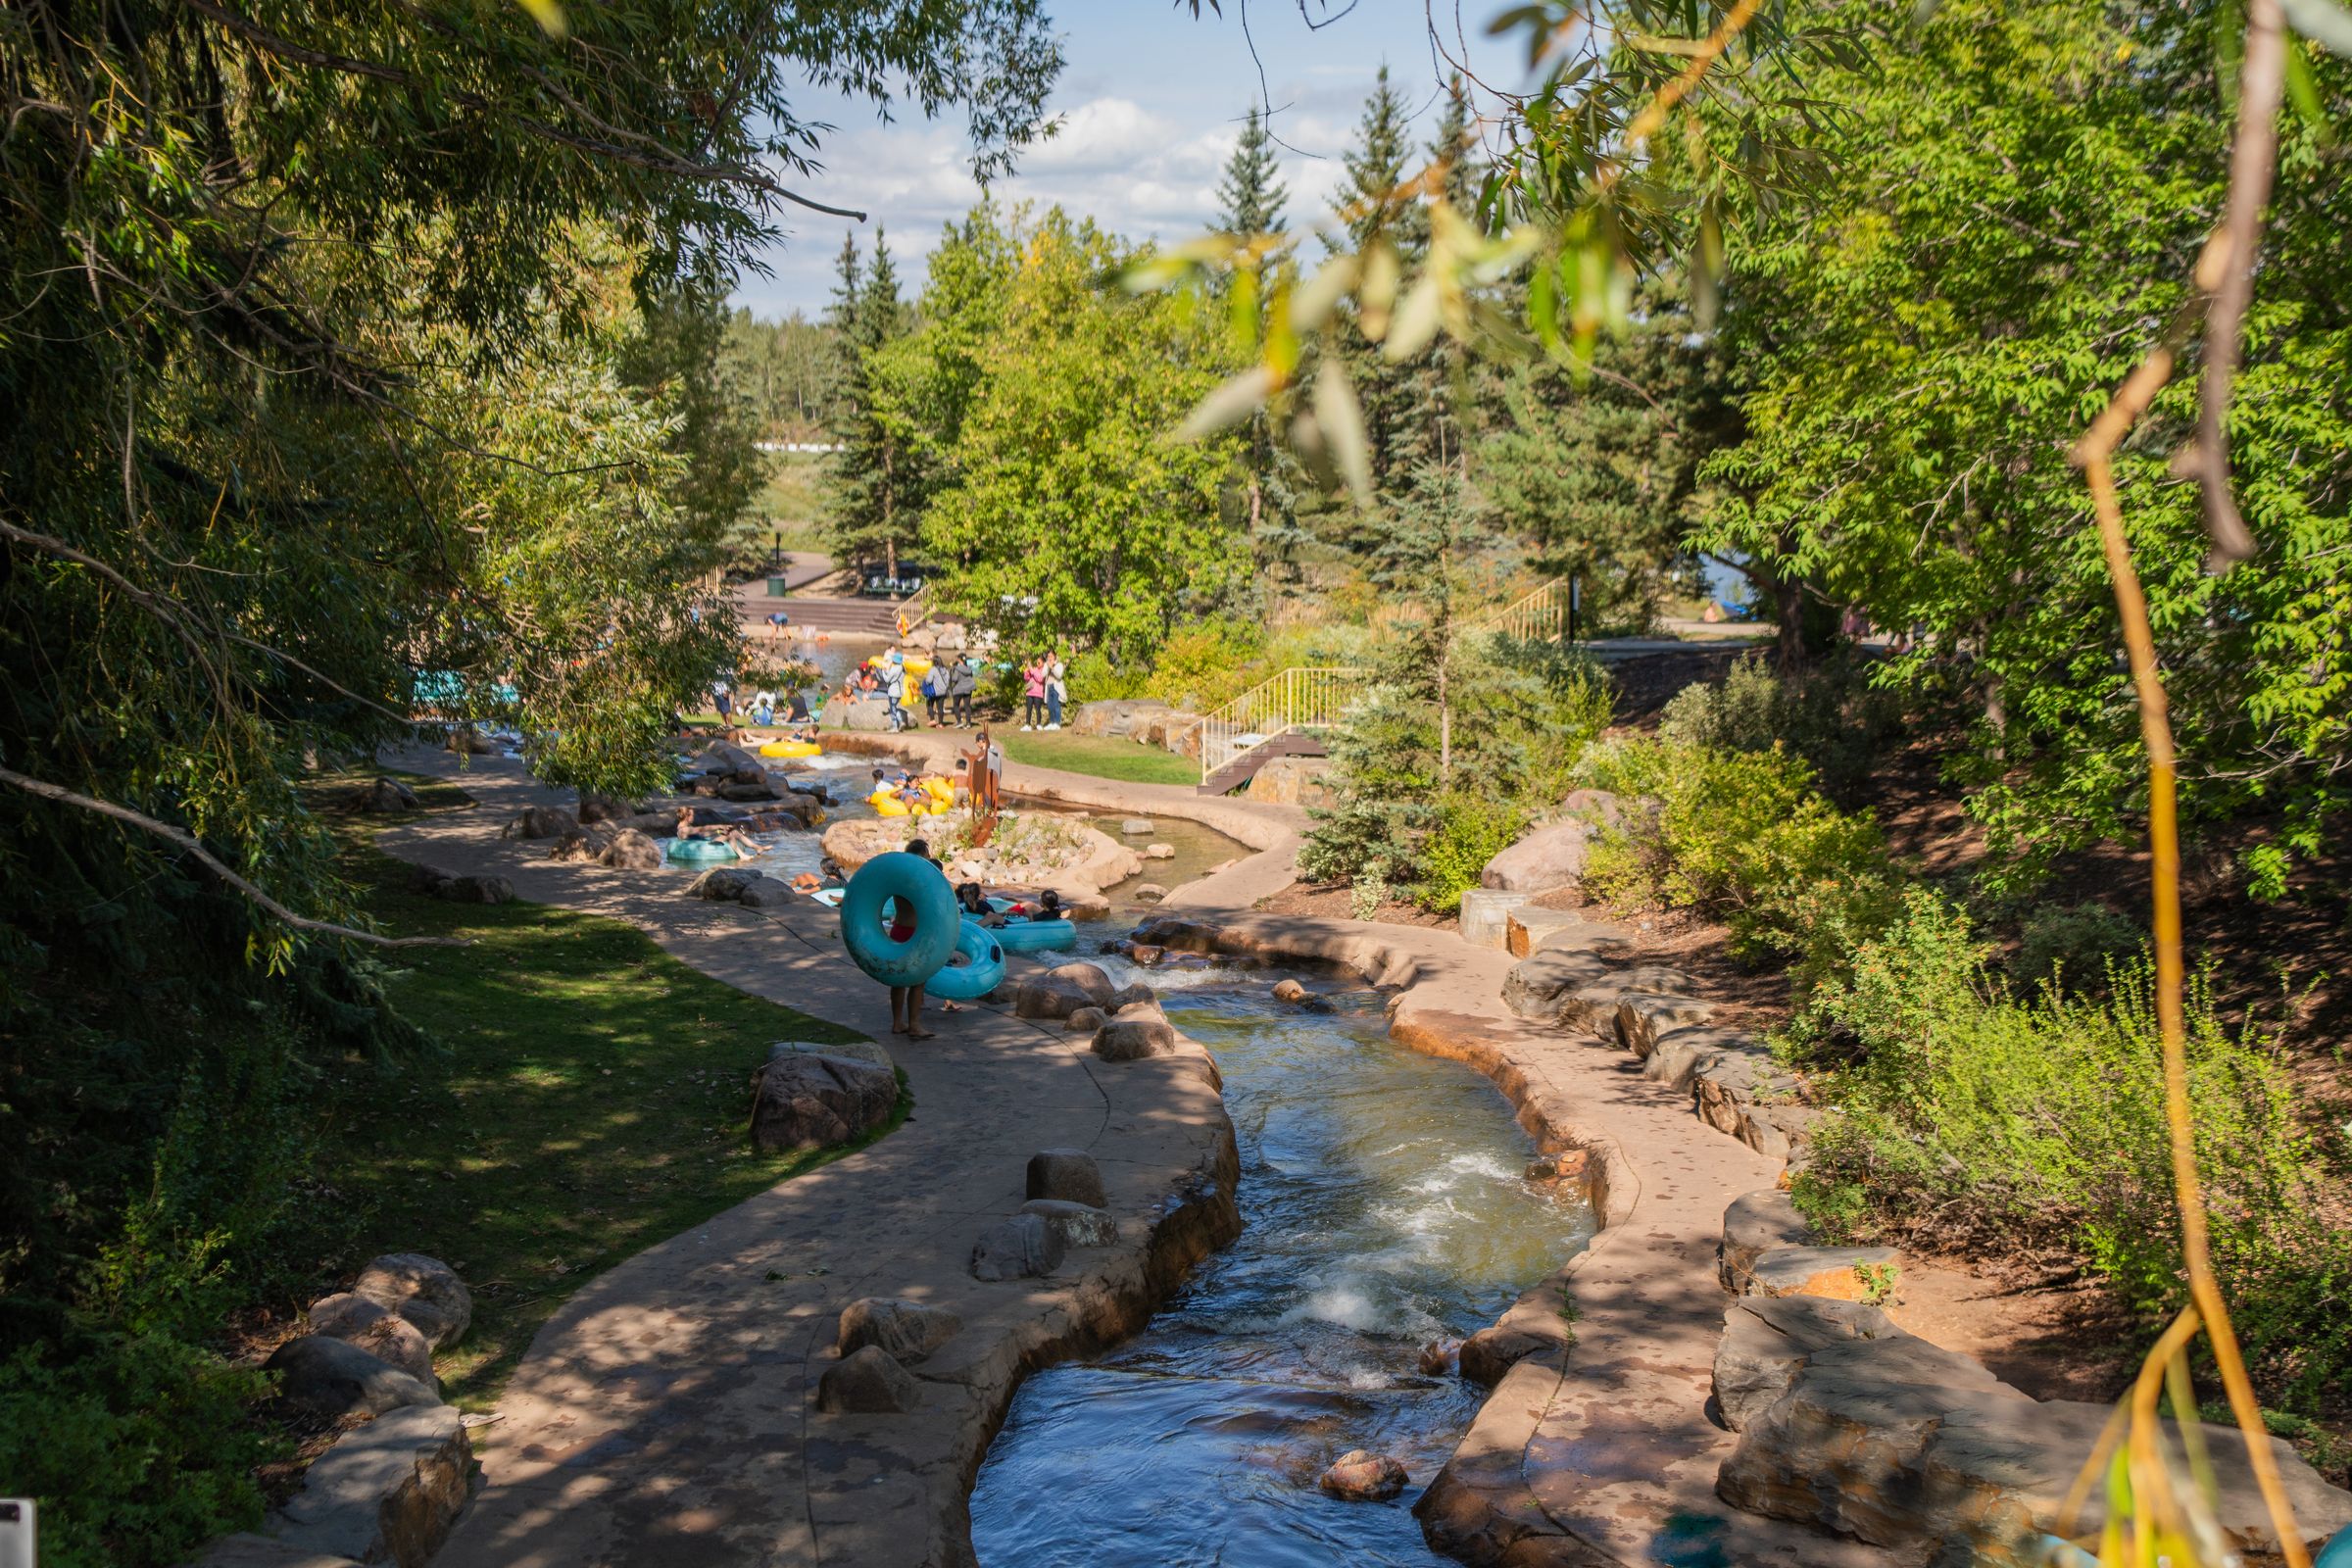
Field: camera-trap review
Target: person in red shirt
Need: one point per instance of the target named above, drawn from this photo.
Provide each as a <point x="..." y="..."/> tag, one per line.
<point x="906" y="1001"/>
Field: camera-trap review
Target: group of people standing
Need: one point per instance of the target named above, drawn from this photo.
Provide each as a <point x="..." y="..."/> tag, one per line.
<point x="948" y="688"/>
<point x="1045" y="687"/>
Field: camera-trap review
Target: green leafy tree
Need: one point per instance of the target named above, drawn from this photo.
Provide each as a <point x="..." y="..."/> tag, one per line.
<point x="2000" y="248"/>
<point x="1072" y="516"/>
<point x="333" y="419"/>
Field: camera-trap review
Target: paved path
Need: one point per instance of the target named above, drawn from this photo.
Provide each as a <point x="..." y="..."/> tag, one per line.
<point x="666" y="1414"/>
<point x="1604" y="1454"/>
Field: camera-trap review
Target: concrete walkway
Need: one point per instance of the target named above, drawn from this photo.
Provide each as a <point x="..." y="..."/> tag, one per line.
<point x="1601" y="1450"/>
<point x="666" y="1415"/>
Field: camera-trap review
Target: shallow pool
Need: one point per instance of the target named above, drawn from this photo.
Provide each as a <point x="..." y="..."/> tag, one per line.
<point x="1384" y="1208"/>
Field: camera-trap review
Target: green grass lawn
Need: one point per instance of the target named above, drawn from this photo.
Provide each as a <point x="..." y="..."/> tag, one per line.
<point x="592" y="1101"/>
<point x="1101" y="756"/>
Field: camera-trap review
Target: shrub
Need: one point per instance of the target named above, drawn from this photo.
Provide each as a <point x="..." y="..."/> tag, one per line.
<point x="138" y="1447"/>
<point x="1094" y="678"/>
<point x="1961" y="1106"/>
<point x="1747" y="837"/>
<point x="1831" y="716"/>
<point x="2073" y="947"/>
<point x="1207" y="664"/>
<point x="1470" y="831"/>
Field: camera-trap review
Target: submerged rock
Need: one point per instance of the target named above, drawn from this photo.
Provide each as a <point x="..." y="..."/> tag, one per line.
<point x="1364" y="1477"/>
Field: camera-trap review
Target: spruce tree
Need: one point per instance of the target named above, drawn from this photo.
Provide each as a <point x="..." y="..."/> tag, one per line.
<point x="1376" y="163"/>
<point x="1251" y="198"/>
<point x="873" y="509"/>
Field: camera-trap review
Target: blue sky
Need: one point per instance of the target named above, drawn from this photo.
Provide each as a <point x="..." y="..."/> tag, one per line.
<point x="1150" y="102"/>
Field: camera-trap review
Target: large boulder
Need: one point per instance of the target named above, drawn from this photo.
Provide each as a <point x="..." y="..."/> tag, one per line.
<point x="906" y="1331"/>
<point x="1552" y="857"/>
<point x="392" y="1339"/>
<point x="1116" y="716"/>
<point x="631" y="850"/>
<point x="1138" y="1031"/>
<point x="1020" y="1248"/>
<point x="1543" y="986"/>
<point x="1062" y="991"/>
<point x="336" y="1378"/>
<point x="1766" y="1340"/>
<point x="768" y="893"/>
<point x="1077" y="1224"/>
<point x="475" y="887"/>
<point x="423" y="1290"/>
<point x="386" y="797"/>
<point x="724" y="884"/>
<point x="588" y="845"/>
<point x="541" y="822"/>
<point x="868" y="1382"/>
<point x="811" y="1101"/>
<point x="1292" y="781"/>
<point x="1068" y="1174"/>
<point x="388" y="1492"/>
<point x="1645" y="1015"/>
<point x="1756" y="1223"/>
<point x="1906" y="1446"/>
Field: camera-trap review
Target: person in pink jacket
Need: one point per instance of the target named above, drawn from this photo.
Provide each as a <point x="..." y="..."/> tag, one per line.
<point x="1033" y="687"/>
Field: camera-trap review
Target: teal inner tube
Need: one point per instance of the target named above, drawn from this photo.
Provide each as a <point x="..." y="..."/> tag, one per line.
<point x="701" y="849"/>
<point x="2337" y="1554"/>
<point x="982" y="971"/>
<point x="1036" y="936"/>
<point x="921" y="890"/>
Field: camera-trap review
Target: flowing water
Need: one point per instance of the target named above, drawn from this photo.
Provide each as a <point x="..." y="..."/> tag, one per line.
<point x="1383" y="1209"/>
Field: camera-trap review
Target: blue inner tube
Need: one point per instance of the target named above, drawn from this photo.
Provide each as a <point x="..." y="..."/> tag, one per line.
<point x="982" y="971"/>
<point x="701" y="849"/>
<point x="921" y="889"/>
<point x="2337" y="1554"/>
<point x="1034" y="936"/>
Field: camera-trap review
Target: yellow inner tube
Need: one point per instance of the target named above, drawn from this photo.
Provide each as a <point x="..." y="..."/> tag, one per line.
<point x="917" y="669"/>
<point x="791" y="749"/>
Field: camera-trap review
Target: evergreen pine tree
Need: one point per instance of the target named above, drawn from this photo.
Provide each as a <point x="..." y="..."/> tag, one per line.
<point x="1375" y="164"/>
<point x="1251" y="198"/>
<point x="873" y="509"/>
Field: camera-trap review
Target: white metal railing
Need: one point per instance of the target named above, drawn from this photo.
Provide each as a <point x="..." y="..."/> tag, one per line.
<point x="1304" y="696"/>
<point x="1540" y="616"/>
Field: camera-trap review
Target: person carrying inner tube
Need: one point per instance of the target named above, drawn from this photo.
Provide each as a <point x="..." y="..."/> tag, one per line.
<point x="906" y="1001"/>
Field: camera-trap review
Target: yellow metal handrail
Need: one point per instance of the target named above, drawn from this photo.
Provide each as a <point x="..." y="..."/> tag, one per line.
<point x="1540" y="616"/>
<point x="1302" y="696"/>
<point x="914" y="610"/>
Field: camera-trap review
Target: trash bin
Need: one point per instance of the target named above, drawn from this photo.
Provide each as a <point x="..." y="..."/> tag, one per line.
<point x="776" y="588"/>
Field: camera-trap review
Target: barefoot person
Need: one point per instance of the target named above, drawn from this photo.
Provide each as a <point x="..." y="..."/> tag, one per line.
<point x="906" y="1001"/>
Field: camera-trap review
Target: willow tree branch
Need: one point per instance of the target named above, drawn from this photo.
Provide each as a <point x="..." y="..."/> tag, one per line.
<point x="188" y="841"/>
<point x="666" y="163"/>
<point x="2227" y="272"/>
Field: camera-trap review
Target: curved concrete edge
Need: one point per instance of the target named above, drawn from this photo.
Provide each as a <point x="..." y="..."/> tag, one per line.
<point x="1596" y="1446"/>
<point x="669" y="1406"/>
<point x="1273" y="833"/>
<point x="862" y="1512"/>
